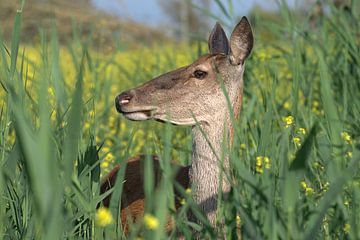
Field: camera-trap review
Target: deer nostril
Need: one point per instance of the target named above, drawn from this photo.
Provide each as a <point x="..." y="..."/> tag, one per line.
<point x="122" y="99"/>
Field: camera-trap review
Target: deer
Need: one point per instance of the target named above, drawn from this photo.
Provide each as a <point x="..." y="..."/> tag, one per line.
<point x="191" y="96"/>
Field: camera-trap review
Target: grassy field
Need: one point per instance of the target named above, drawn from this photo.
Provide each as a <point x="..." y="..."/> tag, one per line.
<point x="296" y="149"/>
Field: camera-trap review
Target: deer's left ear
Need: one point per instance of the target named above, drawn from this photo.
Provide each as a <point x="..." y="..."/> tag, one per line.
<point x="241" y="42"/>
<point x="218" y="42"/>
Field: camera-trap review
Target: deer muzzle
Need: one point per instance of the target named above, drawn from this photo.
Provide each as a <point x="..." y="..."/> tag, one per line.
<point x="125" y="104"/>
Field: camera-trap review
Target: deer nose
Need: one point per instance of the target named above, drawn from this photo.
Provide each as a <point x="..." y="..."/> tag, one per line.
<point x="122" y="99"/>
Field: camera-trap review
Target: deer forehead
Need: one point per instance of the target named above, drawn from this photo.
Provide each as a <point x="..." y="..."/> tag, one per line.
<point x="208" y="62"/>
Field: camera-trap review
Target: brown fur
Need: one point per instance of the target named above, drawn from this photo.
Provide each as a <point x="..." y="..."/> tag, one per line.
<point x="132" y="204"/>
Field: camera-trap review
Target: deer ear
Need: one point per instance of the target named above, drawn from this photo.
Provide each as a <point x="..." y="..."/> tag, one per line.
<point x="218" y="42"/>
<point x="241" y="42"/>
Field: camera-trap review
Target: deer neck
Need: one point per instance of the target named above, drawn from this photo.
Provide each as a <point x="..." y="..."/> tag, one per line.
<point x="209" y="170"/>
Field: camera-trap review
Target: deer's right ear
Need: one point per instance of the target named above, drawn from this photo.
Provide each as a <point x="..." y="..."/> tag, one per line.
<point x="241" y="42"/>
<point x="218" y="42"/>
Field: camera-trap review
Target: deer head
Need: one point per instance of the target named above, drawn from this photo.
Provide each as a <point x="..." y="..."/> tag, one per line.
<point x="194" y="90"/>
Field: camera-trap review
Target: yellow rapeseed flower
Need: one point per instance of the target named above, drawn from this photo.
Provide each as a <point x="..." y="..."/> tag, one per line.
<point x="109" y="143"/>
<point x="53" y="116"/>
<point x="243" y="146"/>
<point x="289" y="120"/>
<point x="315" y="103"/>
<point x="260" y="161"/>
<point x="297" y="141"/>
<point x="287" y="105"/>
<point x="92" y="113"/>
<point x="51" y="91"/>
<point x="346" y="136"/>
<point x="86" y="125"/>
<point x="103" y="217"/>
<point x="122" y="126"/>
<point x="105" y="149"/>
<point x="346" y="228"/>
<point x="109" y="157"/>
<point x="151" y="222"/>
<point x="258" y="164"/>
<point x="63" y="124"/>
<point x="238" y="220"/>
<point x="302" y="131"/>
<point x="262" y="56"/>
<point x="188" y="191"/>
<point x="183" y="201"/>
<point x="112" y="119"/>
<point x="267" y="162"/>
<point x="349" y="154"/>
<point x="303" y="185"/>
<point x="11" y="139"/>
<point x="307" y="189"/>
<point x="104" y="164"/>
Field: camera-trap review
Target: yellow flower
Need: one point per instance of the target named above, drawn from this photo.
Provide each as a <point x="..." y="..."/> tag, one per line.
<point x="306" y="188"/>
<point x="259" y="163"/>
<point x="315" y="103"/>
<point x="109" y="157"/>
<point x="109" y="143"/>
<point x="105" y="149"/>
<point x="303" y="185"/>
<point x="104" y="164"/>
<point x="289" y="120"/>
<point x="262" y="56"/>
<point x="243" y="146"/>
<point x="297" y="141"/>
<point x="347" y="228"/>
<point x="11" y="138"/>
<point x="309" y="191"/>
<point x="258" y="167"/>
<point x="51" y="91"/>
<point x="346" y="136"/>
<point x="63" y="124"/>
<point x="267" y="162"/>
<point x="287" y="105"/>
<point x="151" y="222"/>
<point x="103" y="217"/>
<point x="122" y="126"/>
<point x="238" y="220"/>
<point x="92" y="113"/>
<point x="112" y="119"/>
<point x="302" y="131"/>
<point x="53" y="116"/>
<point x="188" y="191"/>
<point x="86" y="125"/>
<point x="183" y="201"/>
<point x="349" y="154"/>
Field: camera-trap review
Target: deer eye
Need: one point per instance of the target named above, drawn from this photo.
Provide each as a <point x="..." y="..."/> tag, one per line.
<point x="200" y="74"/>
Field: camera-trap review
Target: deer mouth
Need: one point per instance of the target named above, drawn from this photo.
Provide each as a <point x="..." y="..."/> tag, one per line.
<point x="138" y="114"/>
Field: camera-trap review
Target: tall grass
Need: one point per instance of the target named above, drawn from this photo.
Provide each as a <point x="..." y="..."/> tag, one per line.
<point x="295" y="156"/>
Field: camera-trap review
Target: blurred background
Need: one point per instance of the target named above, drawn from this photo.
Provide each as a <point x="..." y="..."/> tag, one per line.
<point x="145" y="20"/>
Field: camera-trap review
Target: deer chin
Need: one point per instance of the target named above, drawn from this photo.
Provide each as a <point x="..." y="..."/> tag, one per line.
<point x="138" y="116"/>
<point x="179" y="122"/>
<point x="138" y="113"/>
